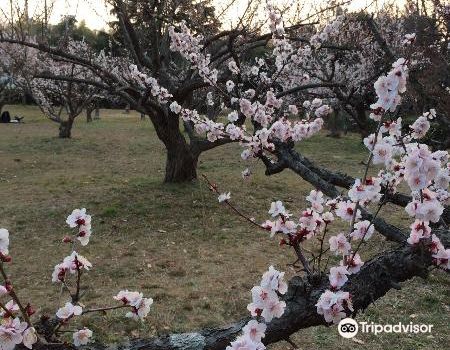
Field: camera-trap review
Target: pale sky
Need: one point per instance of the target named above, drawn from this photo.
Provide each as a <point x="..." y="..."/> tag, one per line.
<point x="96" y="14"/>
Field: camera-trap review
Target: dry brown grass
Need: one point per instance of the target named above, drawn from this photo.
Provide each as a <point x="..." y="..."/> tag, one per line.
<point x="173" y="242"/>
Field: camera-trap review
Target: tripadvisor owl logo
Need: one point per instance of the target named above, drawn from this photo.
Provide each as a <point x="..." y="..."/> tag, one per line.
<point x="348" y="328"/>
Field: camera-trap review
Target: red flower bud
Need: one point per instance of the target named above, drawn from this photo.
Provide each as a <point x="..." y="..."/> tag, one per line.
<point x="30" y="310"/>
<point x="5" y="258"/>
<point x="80" y="222"/>
<point x="67" y="239"/>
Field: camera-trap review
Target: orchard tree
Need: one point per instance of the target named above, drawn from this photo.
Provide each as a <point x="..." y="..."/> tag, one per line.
<point x="63" y="100"/>
<point x="430" y="80"/>
<point x="159" y="72"/>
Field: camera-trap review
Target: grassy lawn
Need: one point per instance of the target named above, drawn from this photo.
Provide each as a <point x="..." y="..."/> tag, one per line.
<point x="174" y="243"/>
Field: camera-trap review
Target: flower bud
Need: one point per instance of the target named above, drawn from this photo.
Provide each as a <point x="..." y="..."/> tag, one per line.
<point x="30" y="310"/>
<point x="5" y="258"/>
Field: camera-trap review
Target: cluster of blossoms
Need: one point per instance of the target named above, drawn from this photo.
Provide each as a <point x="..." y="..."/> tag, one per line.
<point x="75" y="264"/>
<point x="266" y="304"/>
<point x="404" y="159"/>
<point x="425" y="172"/>
<point x="314" y="222"/>
<point x="189" y="47"/>
<point x="261" y="108"/>
<point x="14" y="332"/>
<point x="140" y="306"/>
<point x="329" y="30"/>
<point x="388" y="89"/>
<point x="80" y="220"/>
<point x="16" y="326"/>
<point x="145" y="81"/>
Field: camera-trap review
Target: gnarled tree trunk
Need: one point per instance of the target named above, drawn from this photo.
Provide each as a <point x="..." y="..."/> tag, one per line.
<point x="181" y="160"/>
<point x="65" y="128"/>
<point x="89" y="115"/>
<point x="181" y="163"/>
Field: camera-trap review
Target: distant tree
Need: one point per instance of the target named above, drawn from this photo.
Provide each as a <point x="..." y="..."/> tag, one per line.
<point x="61" y="100"/>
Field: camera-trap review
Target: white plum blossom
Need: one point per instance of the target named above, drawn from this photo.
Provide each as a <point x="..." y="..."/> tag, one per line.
<point x="420" y="127"/>
<point x="346" y="211"/>
<point x="277" y="208"/>
<point x="382" y="152"/>
<point x="141" y="310"/>
<point x="353" y="263"/>
<point x="366" y="193"/>
<point x="323" y="111"/>
<point x="265" y="301"/>
<point x="11" y="333"/>
<point x="223" y="197"/>
<point x="409" y="39"/>
<point x="316" y="199"/>
<point x="70" y="264"/>
<point x="362" y="229"/>
<point x="428" y="210"/>
<point x="419" y="229"/>
<point x="233" y="116"/>
<point x="175" y="107"/>
<point x="230" y="85"/>
<point x="293" y="109"/>
<point x="442" y="258"/>
<point x="254" y="330"/>
<point x="78" y="217"/>
<point x="140" y="306"/>
<point x="12" y="308"/>
<point x="4" y="241"/>
<point x="29" y="337"/>
<point x="339" y="244"/>
<point x="333" y="305"/>
<point x="244" y="342"/>
<point x="69" y="310"/>
<point x="327" y="217"/>
<point x="82" y="337"/>
<point x="246" y="173"/>
<point x="3" y="291"/>
<point x="338" y="276"/>
<point x="232" y="66"/>
<point x="273" y="279"/>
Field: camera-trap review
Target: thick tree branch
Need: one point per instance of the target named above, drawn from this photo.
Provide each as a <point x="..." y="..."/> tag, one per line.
<point x="376" y="277"/>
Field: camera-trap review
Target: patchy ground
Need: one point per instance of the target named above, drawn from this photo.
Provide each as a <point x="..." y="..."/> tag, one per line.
<point x="175" y="243"/>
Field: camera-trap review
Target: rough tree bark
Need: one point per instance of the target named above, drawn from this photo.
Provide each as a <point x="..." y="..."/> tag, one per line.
<point x="65" y="128"/>
<point x="89" y="115"/>
<point x="181" y="163"/>
<point x="181" y="159"/>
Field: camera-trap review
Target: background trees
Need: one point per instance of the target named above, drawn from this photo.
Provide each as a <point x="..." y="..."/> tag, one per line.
<point x="338" y="66"/>
<point x="276" y="84"/>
